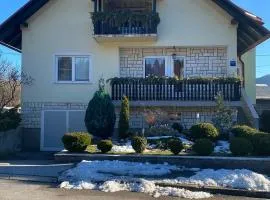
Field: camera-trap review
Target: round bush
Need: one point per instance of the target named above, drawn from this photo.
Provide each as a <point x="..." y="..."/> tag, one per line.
<point x="178" y="127"/>
<point x="241" y="147"/>
<point x="243" y="131"/>
<point x="261" y="144"/>
<point x="76" y="142"/>
<point x="204" y="130"/>
<point x="105" y="146"/>
<point x="175" y="145"/>
<point x="203" y="147"/>
<point x="139" y="144"/>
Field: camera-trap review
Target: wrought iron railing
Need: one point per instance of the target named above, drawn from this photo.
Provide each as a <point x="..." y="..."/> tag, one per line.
<point x="125" y="23"/>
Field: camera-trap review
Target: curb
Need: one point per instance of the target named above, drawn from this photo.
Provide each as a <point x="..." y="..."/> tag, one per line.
<point x="41" y="179"/>
<point x="260" y="165"/>
<point x="219" y="190"/>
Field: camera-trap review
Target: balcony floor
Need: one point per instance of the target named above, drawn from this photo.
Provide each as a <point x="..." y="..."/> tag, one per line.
<point x="126" y="38"/>
<point x="178" y="103"/>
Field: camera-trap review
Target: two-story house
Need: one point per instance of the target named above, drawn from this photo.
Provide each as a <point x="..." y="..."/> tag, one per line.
<point x="68" y="45"/>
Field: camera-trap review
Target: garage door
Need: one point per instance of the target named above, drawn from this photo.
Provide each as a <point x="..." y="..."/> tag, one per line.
<point x="54" y="124"/>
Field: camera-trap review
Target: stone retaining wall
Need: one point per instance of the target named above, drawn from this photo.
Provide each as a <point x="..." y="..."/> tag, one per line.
<point x="31" y="113"/>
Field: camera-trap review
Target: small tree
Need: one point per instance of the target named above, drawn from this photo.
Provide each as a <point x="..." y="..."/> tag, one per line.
<point x="100" y="114"/>
<point x="223" y="115"/>
<point x="123" y="125"/>
<point x="11" y="79"/>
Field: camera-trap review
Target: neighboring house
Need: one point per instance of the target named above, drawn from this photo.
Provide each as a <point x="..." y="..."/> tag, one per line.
<point x="66" y="55"/>
<point x="262" y="98"/>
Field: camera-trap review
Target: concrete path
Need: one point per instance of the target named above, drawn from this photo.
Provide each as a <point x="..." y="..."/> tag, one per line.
<point x="32" y="169"/>
<point x="25" y="191"/>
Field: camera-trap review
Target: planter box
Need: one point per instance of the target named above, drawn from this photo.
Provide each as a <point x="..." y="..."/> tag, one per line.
<point x="10" y="141"/>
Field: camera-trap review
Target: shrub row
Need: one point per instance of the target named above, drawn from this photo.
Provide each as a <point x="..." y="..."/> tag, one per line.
<point x="249" y="141"/>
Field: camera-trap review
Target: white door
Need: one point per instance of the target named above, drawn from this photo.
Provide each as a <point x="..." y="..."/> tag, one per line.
<point x="54" y="124"/>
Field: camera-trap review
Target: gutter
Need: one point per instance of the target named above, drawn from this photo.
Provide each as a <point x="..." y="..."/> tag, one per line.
<point x="11" y="47"/>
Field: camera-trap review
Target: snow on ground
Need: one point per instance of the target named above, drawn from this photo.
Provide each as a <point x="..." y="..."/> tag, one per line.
<point x="222" y="147"/>
<point x="125" y="148"/>
<point x="113" y="176"/>
<point x="239" y="179"/>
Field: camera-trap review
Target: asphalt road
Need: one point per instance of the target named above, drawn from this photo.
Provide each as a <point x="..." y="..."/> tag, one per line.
<point x="10" y="190"/>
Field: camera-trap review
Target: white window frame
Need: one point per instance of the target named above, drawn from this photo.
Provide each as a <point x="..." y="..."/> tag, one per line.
<point x="73" y="56"/>
<point x="169" y="71"/>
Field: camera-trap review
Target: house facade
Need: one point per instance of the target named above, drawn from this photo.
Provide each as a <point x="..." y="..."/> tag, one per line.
<point x="68" y="46"/>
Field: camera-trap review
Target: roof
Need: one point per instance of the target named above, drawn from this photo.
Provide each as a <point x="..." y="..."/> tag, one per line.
<point x="262" y="92"/>
<point x="251" y="31"/>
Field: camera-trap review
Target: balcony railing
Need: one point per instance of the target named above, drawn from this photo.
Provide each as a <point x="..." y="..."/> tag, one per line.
<point x="125" y="23"/>
<point x="175" y="90"/>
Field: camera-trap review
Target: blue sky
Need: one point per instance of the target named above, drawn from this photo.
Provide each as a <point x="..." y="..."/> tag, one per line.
<point x="260" y="8"/>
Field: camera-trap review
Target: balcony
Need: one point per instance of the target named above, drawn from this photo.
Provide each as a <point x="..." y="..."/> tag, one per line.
<point x="125" y="26"/>
<point x="125" y="20"/>
<point x="169" y="91"/>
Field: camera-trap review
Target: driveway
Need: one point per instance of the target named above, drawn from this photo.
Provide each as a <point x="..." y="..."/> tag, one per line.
<point x="10" y="190"/>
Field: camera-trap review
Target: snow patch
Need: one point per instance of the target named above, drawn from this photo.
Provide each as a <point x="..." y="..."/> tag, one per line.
<point x="238" y="179"/>
<point x="126" y="148"/>
<point x="222" y="147"/>
<point x="114" y="176"/>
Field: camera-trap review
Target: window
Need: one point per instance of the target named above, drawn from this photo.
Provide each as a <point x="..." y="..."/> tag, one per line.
<point x="155" y="66"/>
<point x="73" y="68"/>
<point x="164" y="66"/>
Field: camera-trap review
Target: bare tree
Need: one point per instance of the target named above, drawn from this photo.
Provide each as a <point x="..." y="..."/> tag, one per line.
<point x="11" y="79"/>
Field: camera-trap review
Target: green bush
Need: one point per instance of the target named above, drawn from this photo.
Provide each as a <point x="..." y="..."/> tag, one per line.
<point x="160" y="131"/>
<point x="105" y="146"/>
<point x="241" y="146"/>
<point x="177" y="126"/>
<point x="175" y="145"/>
<point x="261" y="144"/>
<point x="204" y="130"/>
<point x="123" y="125"/>
<point x="9" y="120"/>
<point x="203" y="147"/>
<point x="243" y="131"/>
<point x="265" y="121"/>
<point x="76" y="142"/>
<point x="139" y="144"/>
<point x="161" y="143"/>
<point x="100" y="115"/>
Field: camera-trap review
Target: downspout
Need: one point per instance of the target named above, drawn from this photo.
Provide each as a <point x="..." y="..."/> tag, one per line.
<point x="243" y="70"/>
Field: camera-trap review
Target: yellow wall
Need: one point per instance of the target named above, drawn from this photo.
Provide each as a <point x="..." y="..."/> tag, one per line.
<point x="249" y="59"/>
<point x="64" y="26"/>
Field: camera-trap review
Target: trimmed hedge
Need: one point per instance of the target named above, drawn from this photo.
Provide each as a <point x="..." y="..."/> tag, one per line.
<point x="175" y="145"/>
<point x="76" y="142"/>
<point x="203" y="147"/>
<point x="241" y="147"/>
<point x="9" y="119"/>
<point x="139" y="144"/>
<point x="261" y="144"/>
<point x="123" y="124"/>
<point x="105" y="146"/>
<point x="204" y="130"/>
<point x="243" y="131"/>
<point x="100" y="115"/>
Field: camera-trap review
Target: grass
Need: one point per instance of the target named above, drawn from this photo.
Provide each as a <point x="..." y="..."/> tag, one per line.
<point x="92" y="149"/>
